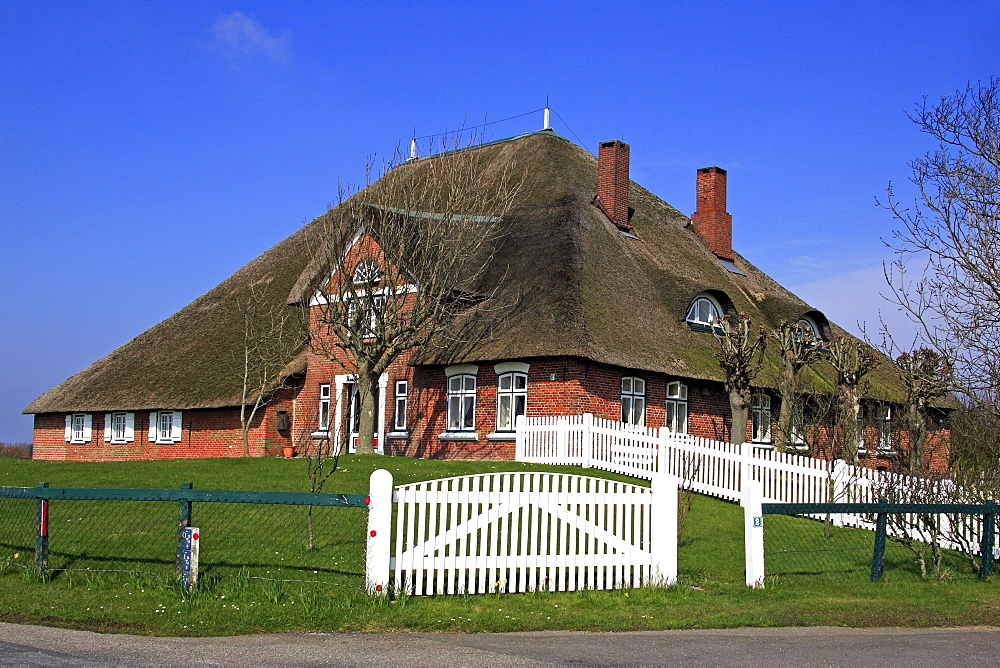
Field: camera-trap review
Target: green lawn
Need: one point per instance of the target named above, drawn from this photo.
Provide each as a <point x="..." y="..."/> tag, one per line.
<point x="710" y="593"/>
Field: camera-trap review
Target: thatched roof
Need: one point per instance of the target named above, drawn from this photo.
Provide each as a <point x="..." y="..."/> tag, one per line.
<point x="572" y="283"/>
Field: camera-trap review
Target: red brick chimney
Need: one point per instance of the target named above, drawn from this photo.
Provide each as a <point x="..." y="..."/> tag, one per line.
<point x="612" y="182"/>
<point x="711" y="222"/>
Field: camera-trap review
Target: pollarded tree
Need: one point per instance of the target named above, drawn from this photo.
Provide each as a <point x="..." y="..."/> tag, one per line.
<point x="740" y="353"/>
<point x="947" y="276"/>
<point x="798" y="347"/>
<point x="926" y="376"/>
<point x="852" y="360"/>
<point x="402" y="259"/>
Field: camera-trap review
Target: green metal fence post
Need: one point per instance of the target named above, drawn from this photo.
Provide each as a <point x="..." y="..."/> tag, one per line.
<point x="183" y="522"/>
<point x="878" y="555"/>
<point x="986" y="546"/>
<point x="42" y="536"/>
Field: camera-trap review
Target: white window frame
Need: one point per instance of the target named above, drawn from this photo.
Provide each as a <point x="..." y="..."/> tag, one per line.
<point x="119" y="427"/>
<point x="462" y="390"/>
<point x="323" y="417"/>
<point x="811" y="325"/>
<point x="509" y="395"/>
<point x="705" y="311"/>
<point x="883" y="425"/>
<point x="402" y="391"/>
<point x="367" y="272"/>
<point x="174" y="431"/>
<point x="676" y="417"/>
<point x="633" y="400"/>
<point x="78" y="428"/>
<point x="760" y="417"/>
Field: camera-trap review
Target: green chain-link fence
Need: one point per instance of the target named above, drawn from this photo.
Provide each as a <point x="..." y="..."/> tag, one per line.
<point x="270" y="535"/>
<point x="797" y="547"/>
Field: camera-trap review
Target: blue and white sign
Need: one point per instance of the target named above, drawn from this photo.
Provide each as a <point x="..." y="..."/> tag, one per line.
<point x="189" y="558"/>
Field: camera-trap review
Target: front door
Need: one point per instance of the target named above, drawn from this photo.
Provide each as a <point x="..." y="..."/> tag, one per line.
<point x="354" y="416"/>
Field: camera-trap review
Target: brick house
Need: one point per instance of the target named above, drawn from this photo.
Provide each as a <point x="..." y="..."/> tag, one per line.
<point x="617" y="291"/>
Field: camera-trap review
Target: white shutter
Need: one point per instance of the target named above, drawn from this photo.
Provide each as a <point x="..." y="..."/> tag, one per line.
<point x="68" y="434"/>
<point x="107" y="427"/>
<point x="152" y="426"/>
<point x="129" y="427"/>
<point x="88" y="424"/>
<point x="176" y="427"/>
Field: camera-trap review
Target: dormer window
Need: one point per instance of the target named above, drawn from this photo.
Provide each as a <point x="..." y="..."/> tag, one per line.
<point x="367" y="272"/>
<point x="811" y="326"/>
<point x="705" y="311"/>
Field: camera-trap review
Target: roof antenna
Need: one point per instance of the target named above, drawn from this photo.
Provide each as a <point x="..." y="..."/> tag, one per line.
<point x="546" y="125"/>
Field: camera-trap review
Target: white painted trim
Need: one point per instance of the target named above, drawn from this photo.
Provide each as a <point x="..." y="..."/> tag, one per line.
<point x="459" y="436"/>
<point x="502" y="436"/>
<point x="456" y="369"/>
<point x="508" y="367"/>
<point x="321" y="298"/>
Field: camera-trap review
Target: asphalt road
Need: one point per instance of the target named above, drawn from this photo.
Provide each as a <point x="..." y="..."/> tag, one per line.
<point x="817" y="646"/>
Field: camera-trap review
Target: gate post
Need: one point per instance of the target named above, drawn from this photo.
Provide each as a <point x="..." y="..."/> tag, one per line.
<point x="183" y="522"/>
<point x="753" y="532"/>
<point x="878" y="554"/>
<point x="42" y="535"/>
<point x="377" y="557"/>
<point x="986" y="545"/>
<point x="663" y="541"/>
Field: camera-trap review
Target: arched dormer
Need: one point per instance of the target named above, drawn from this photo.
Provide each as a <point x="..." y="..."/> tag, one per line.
<point x="817" y="322"/>
<point x="708" y="309"/>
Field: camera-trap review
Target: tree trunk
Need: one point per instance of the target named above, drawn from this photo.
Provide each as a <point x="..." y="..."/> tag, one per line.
<point x="739" y="408"/>
<point x="850" y="406"/>
<point x="917" y="434"/>
<point x="245" y="430"/>
<point x="367" y="395"/>
<point x="784" y="435"/>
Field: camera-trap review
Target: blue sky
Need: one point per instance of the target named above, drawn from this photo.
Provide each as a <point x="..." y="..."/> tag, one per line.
<point x="150" y="149"/>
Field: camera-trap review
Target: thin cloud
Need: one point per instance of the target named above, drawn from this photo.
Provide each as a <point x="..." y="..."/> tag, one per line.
<point x="241" y="38"/>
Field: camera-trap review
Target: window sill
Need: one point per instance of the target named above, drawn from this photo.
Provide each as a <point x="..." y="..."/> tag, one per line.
<point x="398" y="434"/>
<point x="317" y="435"/>
<point x="761" y="445"/>
<point x="459" y="436"/>
<point x="502" y="436"/>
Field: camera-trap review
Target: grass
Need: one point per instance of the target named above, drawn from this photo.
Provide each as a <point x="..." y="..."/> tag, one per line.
<point x="710" y="593"/>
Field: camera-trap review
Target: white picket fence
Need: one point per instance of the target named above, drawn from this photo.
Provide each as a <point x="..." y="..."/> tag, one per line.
<point x="710" y="467"/>
<point x="520" y="532"/>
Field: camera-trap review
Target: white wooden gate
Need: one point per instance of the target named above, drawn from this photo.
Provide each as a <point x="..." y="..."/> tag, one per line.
<point x="519" y="532"/>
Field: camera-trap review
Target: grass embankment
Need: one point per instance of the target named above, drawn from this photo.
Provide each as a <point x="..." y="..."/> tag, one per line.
<point x="710" y="594"/>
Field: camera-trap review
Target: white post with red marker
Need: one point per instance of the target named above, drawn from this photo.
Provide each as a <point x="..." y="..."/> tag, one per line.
<point x="189" y="560"/>
<point x="377" y="557"/>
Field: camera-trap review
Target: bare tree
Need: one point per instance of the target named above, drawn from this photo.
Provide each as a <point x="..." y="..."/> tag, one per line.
<point x="271" y="334"/>
<point x="740" y="353"/>
<point x="798" y="347"/>
<point x="926" y="376"/>
<point x="852" y="360"/>
<point x="947" y="275"/>
<point x="402" y="259"/>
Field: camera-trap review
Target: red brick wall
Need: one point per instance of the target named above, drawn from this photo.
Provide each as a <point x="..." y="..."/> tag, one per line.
<point x="613" y="181"/>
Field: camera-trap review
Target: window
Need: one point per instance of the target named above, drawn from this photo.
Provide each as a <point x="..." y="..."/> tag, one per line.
<point x="633" y="400"/>
<point x="512" y="399"/>
<point x="368" y="310"/>
<point x="324" y="407"/>
<point x="861" y="429"/>
<point x="811" y="326"/>
<point x="883" y="424"/>
<point x="367" y="272"/>
<point x="119" y="427"/>
<point x="704" y="311"/>
<point x="165" y="426"/>
<point x="761" y="418"/>
<point x="461" y="402"/>
<point x="78" y="427"/>
<point x="399" y="423"/>
<point x="676" y="419"/>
